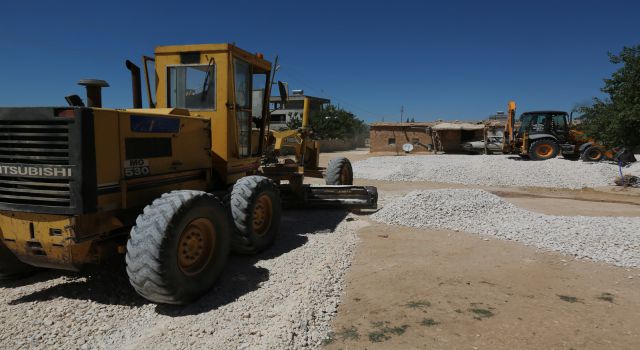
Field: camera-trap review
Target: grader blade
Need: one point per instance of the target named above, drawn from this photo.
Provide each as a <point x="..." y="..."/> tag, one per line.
<point x="348" y="197"/>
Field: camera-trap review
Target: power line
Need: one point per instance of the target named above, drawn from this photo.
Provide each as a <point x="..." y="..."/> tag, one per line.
<point x="323" y="92"/>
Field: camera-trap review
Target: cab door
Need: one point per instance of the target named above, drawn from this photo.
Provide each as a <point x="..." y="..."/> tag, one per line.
<point x="242" y="105"/>
<point x="559" y="127"/>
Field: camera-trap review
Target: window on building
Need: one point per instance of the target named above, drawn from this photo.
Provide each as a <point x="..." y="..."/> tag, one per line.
<point x="278" y="118"/>
<point x="470" y="135"/>
<point x="392" y="141"/>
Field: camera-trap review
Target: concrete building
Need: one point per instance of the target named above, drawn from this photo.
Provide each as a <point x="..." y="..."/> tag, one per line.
<point x="293" y="108"/>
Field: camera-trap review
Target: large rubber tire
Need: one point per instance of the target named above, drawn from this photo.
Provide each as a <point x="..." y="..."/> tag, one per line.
<point x="11" y="267"/>
<point x="543" y="149"/>
<point x="592" y="154"/>
<point x="256" y="210"/>
<point x="339" y="172"/>
<point x="178" y="247"/>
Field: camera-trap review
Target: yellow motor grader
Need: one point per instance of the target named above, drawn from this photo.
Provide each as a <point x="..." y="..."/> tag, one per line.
<point x="173" y="187"/>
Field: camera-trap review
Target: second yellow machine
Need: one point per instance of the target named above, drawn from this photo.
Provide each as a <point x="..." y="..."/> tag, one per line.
<point x="174" y="187"/>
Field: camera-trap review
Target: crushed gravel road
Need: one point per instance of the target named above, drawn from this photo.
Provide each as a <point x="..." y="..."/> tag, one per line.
<point x="283" y="298"/>
<point x="490" y="170"/>
<point x="613" y="240"/>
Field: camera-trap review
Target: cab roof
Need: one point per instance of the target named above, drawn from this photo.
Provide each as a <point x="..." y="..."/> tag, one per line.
<point x="546" y="112"/>
<point x="254" y="58"/>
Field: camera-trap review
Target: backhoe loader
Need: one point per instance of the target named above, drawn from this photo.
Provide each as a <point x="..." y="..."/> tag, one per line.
<point x="173" y="187"/>
<point x="544" y="135"/>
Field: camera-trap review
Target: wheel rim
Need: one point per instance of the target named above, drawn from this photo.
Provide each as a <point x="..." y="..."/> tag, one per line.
<point x="594" y="154"/>
<point x="196" y="246"/>
<point x="544" y="150"/>
<point x="344" y="175"/>
<point x="262" y="213"/>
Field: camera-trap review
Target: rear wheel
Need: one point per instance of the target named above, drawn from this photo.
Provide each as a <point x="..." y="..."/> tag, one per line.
<point x="543" y="149"/>
<point x="256" y="210"/>
<point x="178" y="247"/>
<point x="339" y="172"/>
<point x="592" y="154"/>
<point x="11" y="267"/>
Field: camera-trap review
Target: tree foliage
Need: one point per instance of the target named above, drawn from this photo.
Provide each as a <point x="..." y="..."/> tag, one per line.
<point x="616" y="119"/>
<point x="333" y="122"/>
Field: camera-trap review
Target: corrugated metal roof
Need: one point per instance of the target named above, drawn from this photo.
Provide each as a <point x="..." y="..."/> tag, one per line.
<point x="403" y="124"/>
<point x="458" y="126"/>
<point x="443" y="125"/>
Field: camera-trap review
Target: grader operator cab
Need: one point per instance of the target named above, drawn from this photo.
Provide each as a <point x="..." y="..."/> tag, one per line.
<point x="174" y="187"/>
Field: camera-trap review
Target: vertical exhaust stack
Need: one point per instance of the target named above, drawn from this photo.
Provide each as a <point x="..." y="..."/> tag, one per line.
<point x="135" y="84"/>
<point x="94" y="91"/>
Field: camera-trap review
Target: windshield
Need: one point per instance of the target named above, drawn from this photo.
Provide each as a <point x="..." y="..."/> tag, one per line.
<point x="538" y="122"/>
<point x="192" y="86"/>
<point x="525" y="121"/>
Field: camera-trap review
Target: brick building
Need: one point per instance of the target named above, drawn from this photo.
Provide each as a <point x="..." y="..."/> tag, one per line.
<point x="389" y="137"/>
<point x="424" y="136"/>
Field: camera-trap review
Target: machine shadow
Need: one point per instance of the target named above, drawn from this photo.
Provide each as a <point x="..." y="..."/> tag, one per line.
<point x="241" y="276"/>
<point x="40" y="276"/>
<point x="109" y="284"/>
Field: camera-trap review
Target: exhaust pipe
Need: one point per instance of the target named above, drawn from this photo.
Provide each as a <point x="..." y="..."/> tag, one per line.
<point x="135" y="84"/>
<point x="94" y="91"/>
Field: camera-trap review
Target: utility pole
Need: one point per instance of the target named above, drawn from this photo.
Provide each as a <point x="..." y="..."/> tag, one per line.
<point x="397" y="139"/>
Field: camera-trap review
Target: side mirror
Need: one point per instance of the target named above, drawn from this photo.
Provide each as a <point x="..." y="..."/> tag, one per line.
<point x="284" y="96"/>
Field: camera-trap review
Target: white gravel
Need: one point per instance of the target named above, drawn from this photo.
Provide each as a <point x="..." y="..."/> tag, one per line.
<point x="490" y="170"/>
<point x="283" y="298"/>
<point x="614" y="240"/>
<point x="633" y="169"/>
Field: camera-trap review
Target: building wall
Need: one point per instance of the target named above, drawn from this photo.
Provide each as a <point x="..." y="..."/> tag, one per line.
<point x="336" y="145"/>
<point x="452" y="139"/>
<point x="391" y="139"/>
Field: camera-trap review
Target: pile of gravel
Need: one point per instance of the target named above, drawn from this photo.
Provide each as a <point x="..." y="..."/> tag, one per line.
<point x="283" y="298"/>
<point x="633" y="169"/>
<point x="489" y="170"/>
<point x="610" y="239"/>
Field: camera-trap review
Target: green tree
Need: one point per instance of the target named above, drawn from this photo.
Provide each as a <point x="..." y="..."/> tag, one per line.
<point x="615" y="120"/>
<point x="294" y="123"/>
<point x="333" y="122"/>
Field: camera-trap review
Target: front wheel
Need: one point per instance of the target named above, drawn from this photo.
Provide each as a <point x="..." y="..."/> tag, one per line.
<point x="178" y="247"/>
<point x="592" y="154"/>
<point x="256" y="211"/>
<point x="339" y="172"/>
<point x="543" y="149"/>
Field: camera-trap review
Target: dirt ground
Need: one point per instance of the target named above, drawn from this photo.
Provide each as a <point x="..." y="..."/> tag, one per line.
<point x="418" y="289"/>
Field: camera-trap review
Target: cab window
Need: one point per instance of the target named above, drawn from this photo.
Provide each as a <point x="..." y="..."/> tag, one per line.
<point x="192" y="86"/>
<point x="559" y="122"/>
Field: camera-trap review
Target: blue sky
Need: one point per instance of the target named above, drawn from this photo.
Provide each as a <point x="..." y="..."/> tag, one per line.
<point x="438" y="59"/>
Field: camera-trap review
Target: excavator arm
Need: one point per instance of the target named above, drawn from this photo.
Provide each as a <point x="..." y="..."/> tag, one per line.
<point x="508" y="141"/>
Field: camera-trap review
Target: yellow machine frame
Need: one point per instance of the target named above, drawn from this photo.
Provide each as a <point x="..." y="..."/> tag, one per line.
<point x="134" y="158"/>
